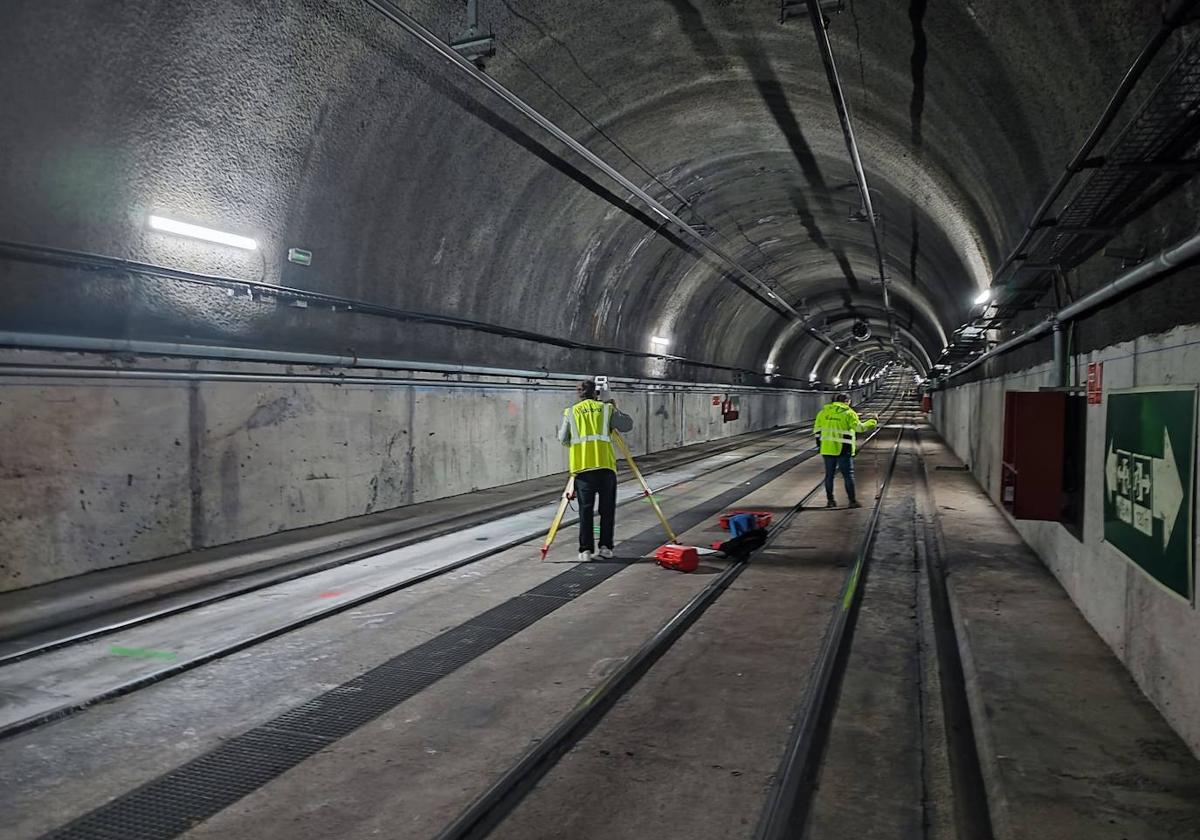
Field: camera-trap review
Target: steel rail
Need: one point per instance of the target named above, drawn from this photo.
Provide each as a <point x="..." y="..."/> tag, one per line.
<point x="860" y="175"/>
<point x="760" y="289"/>
<point x="787" y="804"/>
<point x="499" y="800"/>
<point x="355" y="551"/>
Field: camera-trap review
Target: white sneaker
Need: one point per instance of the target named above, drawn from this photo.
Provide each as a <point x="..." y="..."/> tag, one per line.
<point x="606" y="554"/>
<point x="585" y="557"/>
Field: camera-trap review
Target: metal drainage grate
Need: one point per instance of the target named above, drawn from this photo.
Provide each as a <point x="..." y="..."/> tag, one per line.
<point x="175" y="802"/>
<point x="519" y="613"/>
<point x="949" y="468"/>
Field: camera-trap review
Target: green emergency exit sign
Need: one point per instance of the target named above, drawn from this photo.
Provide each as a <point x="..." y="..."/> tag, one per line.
<point x="1149" y="455"/>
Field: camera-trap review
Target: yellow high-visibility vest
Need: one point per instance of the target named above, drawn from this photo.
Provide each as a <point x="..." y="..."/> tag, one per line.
<point x="838" y="425"/>
<point x="591" y="440"/>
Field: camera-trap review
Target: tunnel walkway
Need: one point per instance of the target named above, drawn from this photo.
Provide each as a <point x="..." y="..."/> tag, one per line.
<point x="392" y="717"/>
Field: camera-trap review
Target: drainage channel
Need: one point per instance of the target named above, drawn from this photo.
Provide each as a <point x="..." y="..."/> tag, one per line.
<point x="972" y="816"/>
<point x="496" y="803"/>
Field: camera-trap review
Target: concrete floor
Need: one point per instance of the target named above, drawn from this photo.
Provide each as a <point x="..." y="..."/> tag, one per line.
<point x="1069" y="748"/>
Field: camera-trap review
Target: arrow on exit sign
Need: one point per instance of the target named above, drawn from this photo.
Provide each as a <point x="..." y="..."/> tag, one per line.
<point x="1161" y="483"/>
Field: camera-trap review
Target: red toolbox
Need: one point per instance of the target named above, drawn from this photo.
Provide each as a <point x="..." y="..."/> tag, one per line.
<point x="682" y="558"/>
<point x="762" y="517"/>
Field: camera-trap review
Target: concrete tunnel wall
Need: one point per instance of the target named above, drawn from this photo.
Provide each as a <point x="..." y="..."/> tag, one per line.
<point x="1154" y="633"/>
<point x="110" y="472"/>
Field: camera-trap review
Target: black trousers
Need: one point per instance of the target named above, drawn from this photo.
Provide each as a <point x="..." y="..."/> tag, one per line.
<point x="588" y="486"/>
<point x="845" y="463"/>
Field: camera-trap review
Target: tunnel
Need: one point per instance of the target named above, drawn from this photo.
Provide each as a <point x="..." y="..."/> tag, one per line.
<point x="337" y="334"/>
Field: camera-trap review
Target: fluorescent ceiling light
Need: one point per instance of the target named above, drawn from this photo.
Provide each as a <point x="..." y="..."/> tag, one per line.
<point x="207" y="234"/>
<point x="657" y="339"/>
<point x="983" y="297"/>
<point x="812" y="377"/>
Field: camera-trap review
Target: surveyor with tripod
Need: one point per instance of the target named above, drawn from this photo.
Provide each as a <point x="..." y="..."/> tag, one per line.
<point x="587" y="428"/>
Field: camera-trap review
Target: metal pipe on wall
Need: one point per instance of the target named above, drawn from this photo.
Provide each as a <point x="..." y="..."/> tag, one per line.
<point x="88" y="344"/>
<point x="1060" y="354"/>
<point x="98" y="263"/>
<point x="1146" y="272"/>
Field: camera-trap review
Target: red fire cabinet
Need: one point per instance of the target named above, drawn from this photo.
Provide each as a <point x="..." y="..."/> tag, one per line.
<point x="1031" y="482"/>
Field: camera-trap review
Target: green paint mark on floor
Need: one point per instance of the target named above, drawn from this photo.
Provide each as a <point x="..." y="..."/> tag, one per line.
<point x="141" y="653"/>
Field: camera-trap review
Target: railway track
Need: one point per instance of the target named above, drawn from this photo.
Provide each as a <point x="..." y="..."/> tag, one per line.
<point x="495" y="804"/>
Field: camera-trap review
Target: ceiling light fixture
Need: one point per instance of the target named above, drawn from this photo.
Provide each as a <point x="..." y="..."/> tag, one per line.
<point x="197" y="232"/>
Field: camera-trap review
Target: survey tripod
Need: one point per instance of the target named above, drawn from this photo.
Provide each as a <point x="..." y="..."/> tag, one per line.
<point x="569" y="493"/>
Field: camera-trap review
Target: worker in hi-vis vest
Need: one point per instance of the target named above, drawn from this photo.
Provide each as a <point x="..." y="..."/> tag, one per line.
<point x="586" y="428"/>
<point x="837" y="427"/>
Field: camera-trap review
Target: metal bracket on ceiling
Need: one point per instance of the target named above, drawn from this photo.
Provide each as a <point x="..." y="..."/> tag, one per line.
<point x="1128" y="256"/>
<point x="860" y="215"/>
<point x="799" y="8"/>
<point x="472" y="44"/>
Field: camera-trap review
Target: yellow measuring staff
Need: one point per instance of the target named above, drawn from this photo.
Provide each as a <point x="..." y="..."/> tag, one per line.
<point x="562" y="508"/>
<point x="645" y="487"/>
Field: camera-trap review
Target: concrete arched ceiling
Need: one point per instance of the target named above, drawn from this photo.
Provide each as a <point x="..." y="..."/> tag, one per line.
<point x="318" y="124"/>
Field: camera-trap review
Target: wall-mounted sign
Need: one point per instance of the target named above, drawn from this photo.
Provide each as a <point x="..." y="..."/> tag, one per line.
<point x="1149" y="483"/>
<point x="729" y="409"/>
<point x="1095" y="383"/>
<point x="299" y="256"/>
